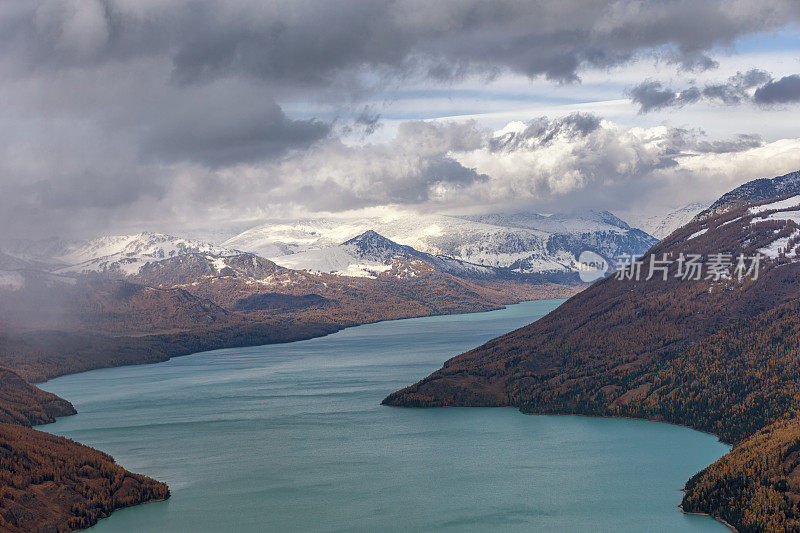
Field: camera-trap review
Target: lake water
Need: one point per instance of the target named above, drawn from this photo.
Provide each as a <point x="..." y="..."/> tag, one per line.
<point x="293" y="437"/>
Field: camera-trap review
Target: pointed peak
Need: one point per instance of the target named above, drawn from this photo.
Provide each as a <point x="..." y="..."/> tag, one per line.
<point x="373" y="244"/>
<point x="371" y="236"/>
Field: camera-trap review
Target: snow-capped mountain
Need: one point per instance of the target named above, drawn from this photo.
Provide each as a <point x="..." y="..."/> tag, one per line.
<point x="369" y="254"/>
<point x="659" y="226"/>
<point x="754" y="191"/>
<point x="527" y="243"/>
<point x="13" y="262"/>
<point x="127" y="254"/>
<point x="192" y="268"/>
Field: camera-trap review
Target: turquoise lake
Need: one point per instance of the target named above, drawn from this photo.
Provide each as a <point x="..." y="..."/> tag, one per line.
<point x="292" y="437"/>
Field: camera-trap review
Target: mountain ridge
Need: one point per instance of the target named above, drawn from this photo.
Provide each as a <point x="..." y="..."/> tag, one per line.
<point x="371" y="254"/>
<point x="547" y="243"/>
<point x="754" y="191"/>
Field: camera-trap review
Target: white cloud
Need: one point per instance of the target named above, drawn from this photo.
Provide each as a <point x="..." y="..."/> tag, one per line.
<point x="546" y="164"/>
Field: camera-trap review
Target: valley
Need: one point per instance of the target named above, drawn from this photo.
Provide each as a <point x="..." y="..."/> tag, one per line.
<point x="145" y="298"/>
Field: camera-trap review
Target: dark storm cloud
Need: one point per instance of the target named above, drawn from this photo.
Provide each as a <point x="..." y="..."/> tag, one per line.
<point x="735" y="89"/>
<point x="739" y="143"/>
<point x="120" y="107"/>
<point x="785" y="90"/>
<point x="310" y="43"/>
<point x="651" y="95"/>
<point x="444" y="170"/>
<point x="219" y="135"/>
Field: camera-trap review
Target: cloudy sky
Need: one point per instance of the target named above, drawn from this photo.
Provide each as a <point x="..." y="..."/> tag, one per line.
<point x="180" y="116"/>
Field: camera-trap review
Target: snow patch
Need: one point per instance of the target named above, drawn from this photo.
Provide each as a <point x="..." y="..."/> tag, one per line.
<point x="219" y="263"/>
<point x="333" y="260"/>
<point x="782" y="216"/>
<point x="697" y="234"/>
<point x="778" y="247"/>
<point x="788" y="203"/>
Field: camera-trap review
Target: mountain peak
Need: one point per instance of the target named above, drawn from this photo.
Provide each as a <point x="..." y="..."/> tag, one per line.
<point x="368" y="236"/>
<point x="374" y="245"/>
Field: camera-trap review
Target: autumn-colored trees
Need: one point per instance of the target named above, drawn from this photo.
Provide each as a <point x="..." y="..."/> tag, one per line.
<point x="49" y="483"/>
<point x="52" y="483"/>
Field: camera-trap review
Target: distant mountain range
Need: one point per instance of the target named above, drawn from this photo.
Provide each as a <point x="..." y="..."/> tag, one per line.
<point x="719" y="353"/>
<point x="524" y="243"/>
<point x="487" y="246"/>
<point x="371" y="254"/>
<point x="126" y="254"/>
<point x="624" y="347"/>
<point x="153" y="285"/>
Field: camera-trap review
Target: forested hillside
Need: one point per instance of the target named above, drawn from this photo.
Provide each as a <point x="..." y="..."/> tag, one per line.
<point x="49" y="483"/>
<point x="717" y="353"/>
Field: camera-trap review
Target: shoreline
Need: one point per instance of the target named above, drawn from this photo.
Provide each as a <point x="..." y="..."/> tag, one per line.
<point x="42" y="427"/>
<point x="225" y="346"/>
<point x="630" y="418"/>
<point x="717" y="518"/>
<point x="507" y="406"/>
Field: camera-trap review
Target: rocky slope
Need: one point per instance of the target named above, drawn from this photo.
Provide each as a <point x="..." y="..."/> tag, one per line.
<point x="42" y="301"/>
<point x="49" y="483"/>
<point x="23" y="404"/>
